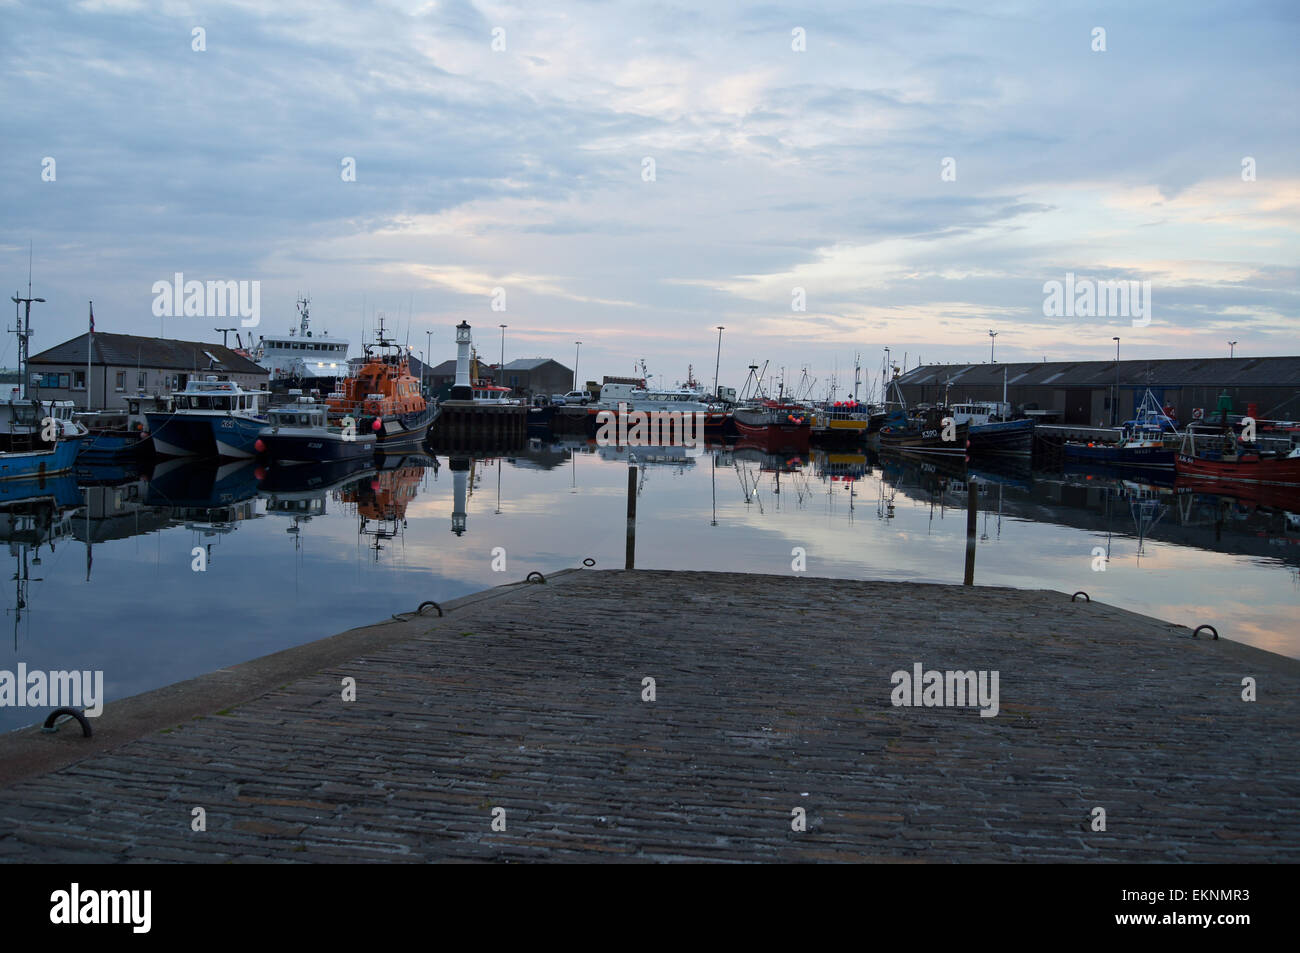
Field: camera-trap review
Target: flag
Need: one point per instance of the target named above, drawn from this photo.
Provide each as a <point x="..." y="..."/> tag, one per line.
<point x="92" y="317"/>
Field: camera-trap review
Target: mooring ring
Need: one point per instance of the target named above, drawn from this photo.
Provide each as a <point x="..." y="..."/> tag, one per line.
<point x="1086" y="597"/>
<point x="50" y="725"/>
<point x="529" y="577"/>
<point x="589" y="562"/>
<point x="1210" y="627"/>
<point x="420" y="610"/>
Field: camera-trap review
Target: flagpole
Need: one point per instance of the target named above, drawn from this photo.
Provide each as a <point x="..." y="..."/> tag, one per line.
<point x="90" y="338"/>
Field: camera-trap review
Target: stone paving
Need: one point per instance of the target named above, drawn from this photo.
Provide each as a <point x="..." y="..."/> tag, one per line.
<point x="771" y="693"/>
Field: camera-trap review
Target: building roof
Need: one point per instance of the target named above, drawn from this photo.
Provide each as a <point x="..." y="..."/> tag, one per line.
<point x="1185" y="372"/>
<point x="129" y="350"/>
<point x="533" y="363"/>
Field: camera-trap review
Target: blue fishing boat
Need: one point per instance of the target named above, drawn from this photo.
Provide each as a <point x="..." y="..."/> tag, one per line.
<point x="38" y="438"/>
<point x="1142" y="443"/>
<point x="210" y="418"/>
<point x="119" y="435"/>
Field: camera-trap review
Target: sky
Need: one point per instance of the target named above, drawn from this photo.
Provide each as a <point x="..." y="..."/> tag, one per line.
<point x="632" y="175"/>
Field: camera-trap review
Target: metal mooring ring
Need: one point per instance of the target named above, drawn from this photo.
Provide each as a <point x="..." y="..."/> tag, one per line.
<point x="529" y="577"/>
<point x="50" y="725"/>
<point x="420" y="610"/>
<point x="1210" y="627"/>
<point x="589" y="562"/>
<point x="1086" y="597"/>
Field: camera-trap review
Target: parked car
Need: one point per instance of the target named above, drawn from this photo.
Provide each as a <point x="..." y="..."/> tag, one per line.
<point x="572" y="397"/>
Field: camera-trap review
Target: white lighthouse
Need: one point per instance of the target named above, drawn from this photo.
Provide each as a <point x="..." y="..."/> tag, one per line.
<point x="463" y="388"/>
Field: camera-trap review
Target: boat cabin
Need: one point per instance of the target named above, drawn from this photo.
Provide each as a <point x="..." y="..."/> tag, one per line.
<point x="221" y="397"/>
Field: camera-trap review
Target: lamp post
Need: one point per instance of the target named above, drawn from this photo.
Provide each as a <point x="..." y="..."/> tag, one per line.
<point x="1232" y="348"/>
<point x="718" y="363"/>
<point x="1114" y="404"/>
<point x="576" y="351"/>
<point x="992" y="338"/>
<point x="428" y="343"/>
<point x="502" y="366"/>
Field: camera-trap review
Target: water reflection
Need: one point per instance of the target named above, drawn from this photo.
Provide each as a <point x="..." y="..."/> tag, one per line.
<point x="367" y="541"/>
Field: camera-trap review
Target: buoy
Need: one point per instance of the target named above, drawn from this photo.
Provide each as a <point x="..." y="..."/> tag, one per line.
<point x="259" y="474"/>
<point x="259" y="446"/>
<point x="376" y="425"/>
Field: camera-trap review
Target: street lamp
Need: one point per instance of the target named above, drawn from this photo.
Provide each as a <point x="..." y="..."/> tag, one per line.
<point x="718" y="362"/>
<point x="1232" y="348"/>
<point x="992" y="338"/>
<point x="502" y="365"/>
<point x="1114" y="404"/>
<point x="576" y="351"/>
<point x="428" y="341"/>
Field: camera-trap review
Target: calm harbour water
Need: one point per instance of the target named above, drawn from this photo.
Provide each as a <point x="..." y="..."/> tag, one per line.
<point x="117" y="590"/>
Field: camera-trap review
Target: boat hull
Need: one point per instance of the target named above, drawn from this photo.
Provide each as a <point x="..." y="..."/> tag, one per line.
<point x="1010" y="437"/>
<point x="38" y="464"/>
<point x="304" y="448"/>
<point x="774" y="428"/>
<point x="176" y="435"/>
<point x="1114" y="456"/>
<point x="928" y="439"/>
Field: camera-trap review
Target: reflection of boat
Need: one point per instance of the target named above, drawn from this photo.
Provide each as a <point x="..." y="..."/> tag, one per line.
<point x="210" y="418"/>
<point x="381" y="497"/>
<point x="841" y="467"/>
<point x="384" y="398"/>
<point x="198" y="485"/>
<point x="312" y="477"/>
<point x="1284" y="498"/>
<point x="40" y="516"/>
<point x="299" y="433"/>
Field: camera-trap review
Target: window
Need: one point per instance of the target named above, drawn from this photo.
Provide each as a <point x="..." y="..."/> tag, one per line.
<point x="142" y="380"/>
<point x="120" y="384"/>
<point x="48" y="380"/>
<point x="65" y="381"/>
<point x="79" y="380"/>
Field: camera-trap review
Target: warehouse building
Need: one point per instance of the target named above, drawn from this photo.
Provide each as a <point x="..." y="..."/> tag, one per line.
<point x="1085" y="392"/>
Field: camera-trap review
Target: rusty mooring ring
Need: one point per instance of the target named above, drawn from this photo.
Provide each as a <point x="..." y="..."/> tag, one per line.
<point x="540" y="577"/>
<point x="76" y="713"/>
<point x="420" y="610"/>
<point x="1210" y="627"/>
<point x="1086" y="597"/>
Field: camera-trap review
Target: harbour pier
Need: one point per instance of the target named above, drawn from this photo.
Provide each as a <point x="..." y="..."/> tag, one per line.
<point x="690" y="716"/>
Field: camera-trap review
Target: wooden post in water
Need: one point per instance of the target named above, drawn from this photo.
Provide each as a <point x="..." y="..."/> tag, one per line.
<point x="972" y="511"/>
<point x="631" y="516"/>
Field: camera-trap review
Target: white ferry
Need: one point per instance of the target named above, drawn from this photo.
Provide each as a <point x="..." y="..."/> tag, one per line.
<point x="300" y="358"/>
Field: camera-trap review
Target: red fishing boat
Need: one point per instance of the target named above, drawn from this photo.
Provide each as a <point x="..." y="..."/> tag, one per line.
<point x="384" y="398"/>
<point x="777" y="426"/>
<point x="1223" y="457"/>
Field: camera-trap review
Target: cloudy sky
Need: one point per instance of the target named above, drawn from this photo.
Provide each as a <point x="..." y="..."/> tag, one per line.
<point x="774" y="169"/>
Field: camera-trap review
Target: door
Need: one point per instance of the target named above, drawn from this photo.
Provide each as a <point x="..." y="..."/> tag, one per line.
<point x="1078" y="406"/>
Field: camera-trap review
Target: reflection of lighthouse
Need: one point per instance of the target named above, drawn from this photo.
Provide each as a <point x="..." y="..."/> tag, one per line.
<point x="459" y="473"/>
<point x="462" y="389"/>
